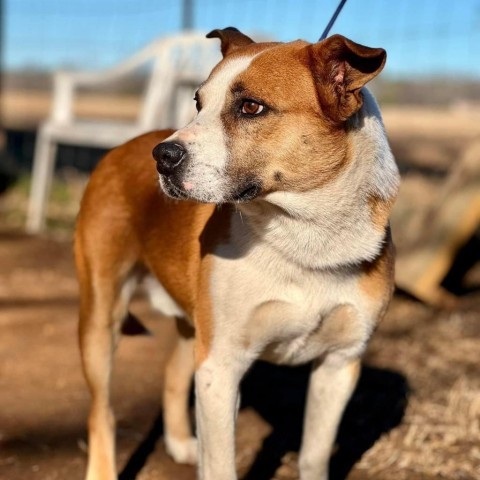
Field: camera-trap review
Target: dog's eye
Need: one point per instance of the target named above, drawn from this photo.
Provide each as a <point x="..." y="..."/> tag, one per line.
<point x="250" y="107"/>
<point x="198" y="104"/>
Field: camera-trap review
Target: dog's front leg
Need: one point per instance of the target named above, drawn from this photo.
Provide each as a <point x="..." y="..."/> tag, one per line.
<point x="331" y="386"/>
<point x="216" y="385"/>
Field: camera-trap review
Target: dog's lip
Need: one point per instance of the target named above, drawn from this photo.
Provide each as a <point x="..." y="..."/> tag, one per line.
<point x="173" y="190"/>
<point x="248" y="192"/>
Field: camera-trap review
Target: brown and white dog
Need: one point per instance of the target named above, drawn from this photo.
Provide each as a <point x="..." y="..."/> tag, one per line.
<point x="296" y="265"/>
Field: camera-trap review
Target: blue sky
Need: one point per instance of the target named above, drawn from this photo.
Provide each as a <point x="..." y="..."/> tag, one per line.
<point x="422" y="37"/>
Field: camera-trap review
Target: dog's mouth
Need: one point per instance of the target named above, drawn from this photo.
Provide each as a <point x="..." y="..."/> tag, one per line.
<point x="248" y="192"/>
<point x="171" y="189"/>
<point x="245" y="192"/>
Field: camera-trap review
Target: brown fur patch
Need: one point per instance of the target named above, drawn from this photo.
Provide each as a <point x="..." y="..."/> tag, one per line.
<point x="377" y="279"/>
<point x="292" y="136"/>
<point x="380" y="210"/>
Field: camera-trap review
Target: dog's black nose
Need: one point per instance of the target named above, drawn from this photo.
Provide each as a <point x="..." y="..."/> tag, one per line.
<point x="169" y="156"/>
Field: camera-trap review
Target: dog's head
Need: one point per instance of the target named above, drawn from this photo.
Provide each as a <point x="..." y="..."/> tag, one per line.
<point x="271" y="117"/>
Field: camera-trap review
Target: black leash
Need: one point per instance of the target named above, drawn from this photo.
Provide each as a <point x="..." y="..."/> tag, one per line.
<point x="332" y="20"/>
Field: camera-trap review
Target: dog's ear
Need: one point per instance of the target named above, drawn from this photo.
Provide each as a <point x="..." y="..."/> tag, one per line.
<point x="230" y="39"/>
<point x="341" y="68"/>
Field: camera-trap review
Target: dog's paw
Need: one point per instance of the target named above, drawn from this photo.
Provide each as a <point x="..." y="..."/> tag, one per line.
<point x="182" y="451"/>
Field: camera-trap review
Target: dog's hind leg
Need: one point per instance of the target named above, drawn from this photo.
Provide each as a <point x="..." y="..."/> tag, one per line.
<point x="179" y="441"/>
<point x="103" y="306"/>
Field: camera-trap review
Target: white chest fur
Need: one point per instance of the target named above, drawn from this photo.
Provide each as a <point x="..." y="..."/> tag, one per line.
<point x="267" y="303"/>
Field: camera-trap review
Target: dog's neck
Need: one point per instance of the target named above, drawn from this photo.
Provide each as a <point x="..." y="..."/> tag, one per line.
<point x="331" y="227"/>
<point x="315" y="230"/>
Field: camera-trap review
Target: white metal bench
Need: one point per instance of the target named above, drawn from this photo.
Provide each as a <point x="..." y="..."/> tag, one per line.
<point x="179" y="64"/>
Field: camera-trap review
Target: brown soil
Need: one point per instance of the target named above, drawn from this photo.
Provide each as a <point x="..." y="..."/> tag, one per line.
<point x="415" y="414"/>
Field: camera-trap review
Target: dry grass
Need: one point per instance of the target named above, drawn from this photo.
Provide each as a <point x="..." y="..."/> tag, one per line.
<point x="440" y="433"/>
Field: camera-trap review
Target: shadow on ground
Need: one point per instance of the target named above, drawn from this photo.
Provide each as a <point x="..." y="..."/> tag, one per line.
<point x="278" y="395"/>
<point x="140" y="456"/>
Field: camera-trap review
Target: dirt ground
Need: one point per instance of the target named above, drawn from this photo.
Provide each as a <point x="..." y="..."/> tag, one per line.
<point x="415" y="414"/>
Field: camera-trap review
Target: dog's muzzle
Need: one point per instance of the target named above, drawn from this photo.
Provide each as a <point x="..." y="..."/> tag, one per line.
<point x="169" y="156"/>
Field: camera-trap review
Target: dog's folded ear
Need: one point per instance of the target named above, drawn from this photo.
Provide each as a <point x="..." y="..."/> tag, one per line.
<point x="341" y="68"/>
<point x="230" y="39"/>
